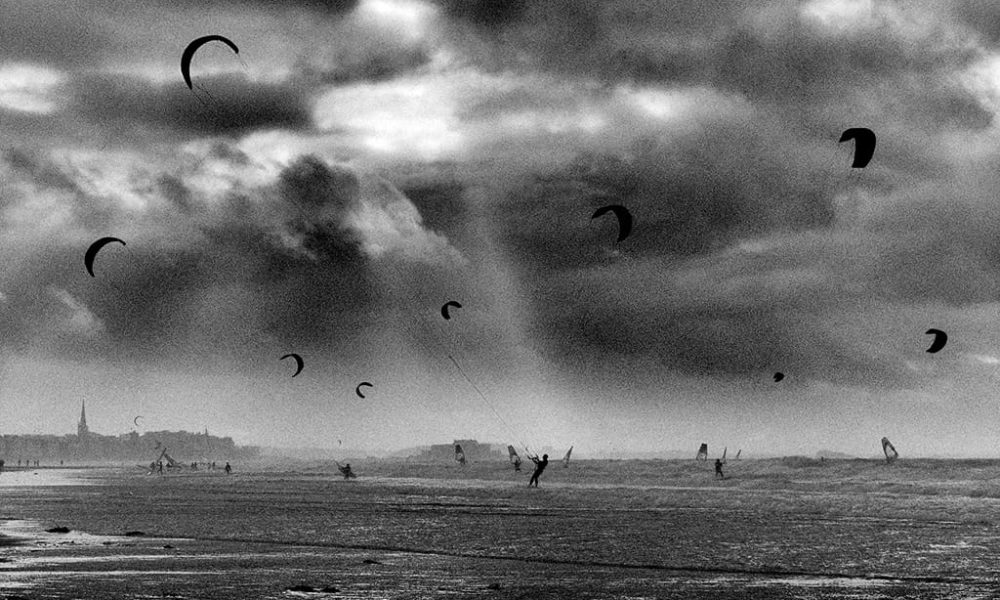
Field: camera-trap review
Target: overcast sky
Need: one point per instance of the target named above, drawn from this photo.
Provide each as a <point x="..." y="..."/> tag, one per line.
<point x="359" y="164"/>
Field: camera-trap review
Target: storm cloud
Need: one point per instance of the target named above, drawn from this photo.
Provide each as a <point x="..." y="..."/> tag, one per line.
<point x="361" y="163"/>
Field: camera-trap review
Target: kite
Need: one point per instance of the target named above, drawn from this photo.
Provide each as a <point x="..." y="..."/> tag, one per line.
<point x="88" y="258"/>
<point x="193" y="47"/>
<point x="624" y="218"/>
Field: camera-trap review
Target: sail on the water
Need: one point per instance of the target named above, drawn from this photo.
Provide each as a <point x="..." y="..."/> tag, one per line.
<point x="566" y="459"/>
<point x="889" y="449"/>
<point x="459" y="455"/>
<point x="514" y="458"/>
<point x="171" y="463"/>
<point x="738" y="453"/>
<point x="702" y="452"/>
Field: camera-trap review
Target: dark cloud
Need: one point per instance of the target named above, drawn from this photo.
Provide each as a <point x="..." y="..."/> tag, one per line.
<point x="692" y="196"/>
<point x="380" y="63"/>
<point x="173" y="189"/>
<point x="311" y="183"/>
<point x="794" y="300"/>
<point x="51" y="33"/>
<point x="332" y="7"/>
<point x="273" y="265"/>
<point x="614" y="341"/>
<point x="36" y="167"/>
<point x="821" y="73"/>
<point x="983" y="17"/>
<point x="218" y="105"/>
<point x="609" y="41"/>
<point x="755" y="247"/>
<point x="441" y="204"/>
<point x="489" y="14"/>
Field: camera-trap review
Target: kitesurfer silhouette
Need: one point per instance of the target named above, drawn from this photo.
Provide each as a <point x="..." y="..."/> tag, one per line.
<point x="718" y="469"/>
<point x="228" y="469"/>
<point x="539" y="467"/>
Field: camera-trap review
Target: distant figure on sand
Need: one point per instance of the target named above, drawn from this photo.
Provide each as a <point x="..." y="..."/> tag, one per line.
<point x="159" y="465"/>
<point x="718" y="469"/>
<point x="228" y="469"/>
<point x="346" y="470"/>
<point x="517" y="463"/>
<point x="1" y="466"/>
<point x="539" y="467"/>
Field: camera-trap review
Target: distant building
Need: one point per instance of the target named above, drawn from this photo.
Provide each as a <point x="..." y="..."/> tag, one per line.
<point x="81" y="428"/>
<point x="90" y="447"/>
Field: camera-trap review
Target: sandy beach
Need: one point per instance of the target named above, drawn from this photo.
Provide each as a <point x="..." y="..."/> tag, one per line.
<point x="774" y="529"/>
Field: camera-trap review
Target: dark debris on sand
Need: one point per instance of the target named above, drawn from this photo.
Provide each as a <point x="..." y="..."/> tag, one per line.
<point x="134" y="533"/>
<point x="58" y="530"/>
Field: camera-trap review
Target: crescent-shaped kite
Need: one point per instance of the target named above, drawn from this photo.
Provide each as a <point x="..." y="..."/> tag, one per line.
<point x="624" y="218"/>
<point x="444" y="309"/>
<point x="864" y="145"/>
<point x="779" y="376"/>
<point x="940" y="339"/>
<point x="357" y="390"/>
<point x="193" y="47"/>
<point x="88" y="258"/>
<point x="298" y="361"/>
<point x="136" y="420"/>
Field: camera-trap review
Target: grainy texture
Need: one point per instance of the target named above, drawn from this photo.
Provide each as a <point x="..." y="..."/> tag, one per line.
<point x="776" y="529"/>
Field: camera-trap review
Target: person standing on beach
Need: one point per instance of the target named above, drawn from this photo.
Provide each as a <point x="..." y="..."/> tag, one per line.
<point x="1" y="466"/>
<point x="229" y="469"/>
<point x="718" y="469"/>
<point x="539" y="467"/>
<point x="159" y="465"/>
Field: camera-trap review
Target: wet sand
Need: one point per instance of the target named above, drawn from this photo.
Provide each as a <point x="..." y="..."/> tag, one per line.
<point x="644" y="529"/>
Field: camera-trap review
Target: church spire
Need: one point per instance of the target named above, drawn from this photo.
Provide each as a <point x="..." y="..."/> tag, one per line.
<point x="81" y="429"/>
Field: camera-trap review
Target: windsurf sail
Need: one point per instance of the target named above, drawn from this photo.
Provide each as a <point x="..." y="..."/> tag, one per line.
<point x="566" y="459"/>
<point x="171" y="463"/>
<point x="738" y="453"/>
<point x="514" y="458"/>
<point x="889" y="449"/>
<point x="702" y="452"/>
<point x="724" y="454"/>
<point x="459" y="455"/>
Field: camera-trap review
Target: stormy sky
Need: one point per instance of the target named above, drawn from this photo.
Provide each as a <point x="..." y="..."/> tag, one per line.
<point x="360" y="163"/>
